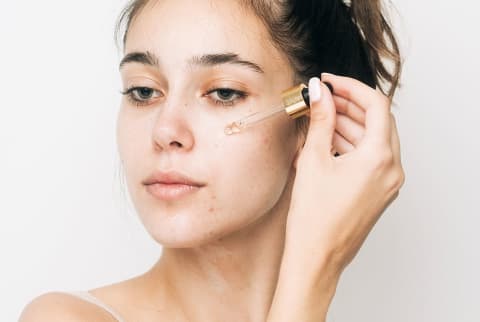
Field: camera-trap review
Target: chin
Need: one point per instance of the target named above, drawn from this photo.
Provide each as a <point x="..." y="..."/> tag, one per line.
<point x="184" y="230"/>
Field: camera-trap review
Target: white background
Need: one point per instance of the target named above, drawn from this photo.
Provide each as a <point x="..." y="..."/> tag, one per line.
<point x="65" y="224"/>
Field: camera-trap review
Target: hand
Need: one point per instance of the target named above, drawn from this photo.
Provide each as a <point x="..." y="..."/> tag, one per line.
<point x="336" y="201"/>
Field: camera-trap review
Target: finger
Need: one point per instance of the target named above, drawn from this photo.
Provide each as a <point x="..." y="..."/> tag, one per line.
<point x="353" y="90"/>
<point x="349" y="129"/>
<point x="322" y="119"/>
<point x="375" y="104"/>
<point x="341" y="145"/>
<point x="349" y="108"/>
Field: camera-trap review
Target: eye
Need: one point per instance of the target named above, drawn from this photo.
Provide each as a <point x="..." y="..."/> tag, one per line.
<point x="226" y="96"/>
<point x="140" y="96"/>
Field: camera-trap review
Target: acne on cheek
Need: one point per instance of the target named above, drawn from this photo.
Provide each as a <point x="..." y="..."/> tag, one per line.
<point x="212" y="208"/>
<point x="266" y="141"/>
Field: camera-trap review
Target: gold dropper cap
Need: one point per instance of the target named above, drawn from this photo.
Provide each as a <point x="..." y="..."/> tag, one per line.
<point x="296" y="101"/>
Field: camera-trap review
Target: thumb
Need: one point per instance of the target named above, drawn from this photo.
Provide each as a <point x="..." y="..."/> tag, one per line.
<point x="322" y="119"/>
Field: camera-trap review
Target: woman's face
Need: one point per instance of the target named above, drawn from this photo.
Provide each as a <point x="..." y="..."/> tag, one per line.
<point x="179" y="128"/>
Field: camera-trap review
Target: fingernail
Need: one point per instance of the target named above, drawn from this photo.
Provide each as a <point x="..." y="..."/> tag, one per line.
<point x="314" y="90"/>
<point x="326" y="74"/>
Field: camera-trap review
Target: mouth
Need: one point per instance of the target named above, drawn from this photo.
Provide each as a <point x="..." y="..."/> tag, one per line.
<point x="171" y="185"/>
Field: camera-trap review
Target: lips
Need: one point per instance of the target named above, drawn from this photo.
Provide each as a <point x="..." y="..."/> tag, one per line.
<point x="171" y="185"/>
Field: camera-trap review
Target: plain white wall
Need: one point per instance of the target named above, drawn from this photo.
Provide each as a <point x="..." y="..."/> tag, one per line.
<point x="65" y="224"/>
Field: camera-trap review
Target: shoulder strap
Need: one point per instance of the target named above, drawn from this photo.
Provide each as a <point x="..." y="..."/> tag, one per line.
<point x="86" y="296"/>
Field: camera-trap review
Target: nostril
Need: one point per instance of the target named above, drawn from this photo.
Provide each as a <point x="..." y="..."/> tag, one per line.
<point x="176" y="144"/>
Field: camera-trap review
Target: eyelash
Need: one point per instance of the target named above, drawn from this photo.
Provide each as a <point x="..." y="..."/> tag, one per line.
<point x="240" y="96"/>
<point x="130" y="93"/>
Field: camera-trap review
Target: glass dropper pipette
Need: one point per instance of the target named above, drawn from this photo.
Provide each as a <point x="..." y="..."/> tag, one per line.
<point x="296" y="103"/>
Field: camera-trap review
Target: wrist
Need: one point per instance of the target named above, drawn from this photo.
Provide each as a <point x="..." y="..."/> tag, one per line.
<point x="320" y="265"/>
<point x="303" y="292"/>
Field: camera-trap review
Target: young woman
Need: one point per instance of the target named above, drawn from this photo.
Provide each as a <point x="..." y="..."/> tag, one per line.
<point x="256" y="226"/>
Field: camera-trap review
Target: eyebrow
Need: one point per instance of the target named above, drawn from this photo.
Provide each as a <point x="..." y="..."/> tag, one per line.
<point x="148" y="58"/>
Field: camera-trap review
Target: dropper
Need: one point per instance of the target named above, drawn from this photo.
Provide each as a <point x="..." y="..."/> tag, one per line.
<point x="296" y="103"/>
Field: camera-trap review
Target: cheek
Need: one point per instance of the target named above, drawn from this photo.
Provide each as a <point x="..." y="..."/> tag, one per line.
<point x="122" y="134"/>
<point x="132" y="140"/>
<point x="251" y="169"/>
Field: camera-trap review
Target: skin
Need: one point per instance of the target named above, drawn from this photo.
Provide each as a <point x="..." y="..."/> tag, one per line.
<point x="278" y="218"/>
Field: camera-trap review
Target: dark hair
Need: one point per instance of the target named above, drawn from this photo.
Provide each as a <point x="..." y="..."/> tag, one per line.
<point x="351" y="39"/>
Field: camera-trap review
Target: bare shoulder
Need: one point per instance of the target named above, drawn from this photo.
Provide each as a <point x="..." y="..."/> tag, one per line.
<point x="57" y="306"/>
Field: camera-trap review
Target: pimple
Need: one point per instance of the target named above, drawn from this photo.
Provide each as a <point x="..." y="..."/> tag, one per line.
<point x="210" y="209"/>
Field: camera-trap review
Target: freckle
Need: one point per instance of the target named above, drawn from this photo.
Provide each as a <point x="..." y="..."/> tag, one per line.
<point x="210" y="210"/>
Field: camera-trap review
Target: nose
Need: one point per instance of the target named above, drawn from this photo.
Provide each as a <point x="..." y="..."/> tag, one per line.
<point x="171" y="130"/>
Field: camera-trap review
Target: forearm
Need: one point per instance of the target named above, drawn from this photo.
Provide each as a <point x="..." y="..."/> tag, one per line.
<point x="303" y="294"/>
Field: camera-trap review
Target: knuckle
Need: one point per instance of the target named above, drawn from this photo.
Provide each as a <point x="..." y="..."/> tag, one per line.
<point x="401" y="178"/>
<point x="380" y="155"/>
<point x="383" y="160"/>
<point x="397" y="180"/>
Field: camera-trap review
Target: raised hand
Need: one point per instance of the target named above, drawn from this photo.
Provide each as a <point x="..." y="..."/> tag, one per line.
<point x="337" y="200"/>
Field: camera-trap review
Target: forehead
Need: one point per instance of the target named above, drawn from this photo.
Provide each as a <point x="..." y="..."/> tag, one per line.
<point x="176" y="30"/>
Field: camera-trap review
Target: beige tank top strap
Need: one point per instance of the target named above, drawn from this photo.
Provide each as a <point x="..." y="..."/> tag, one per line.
<point x="86" y="296"/>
